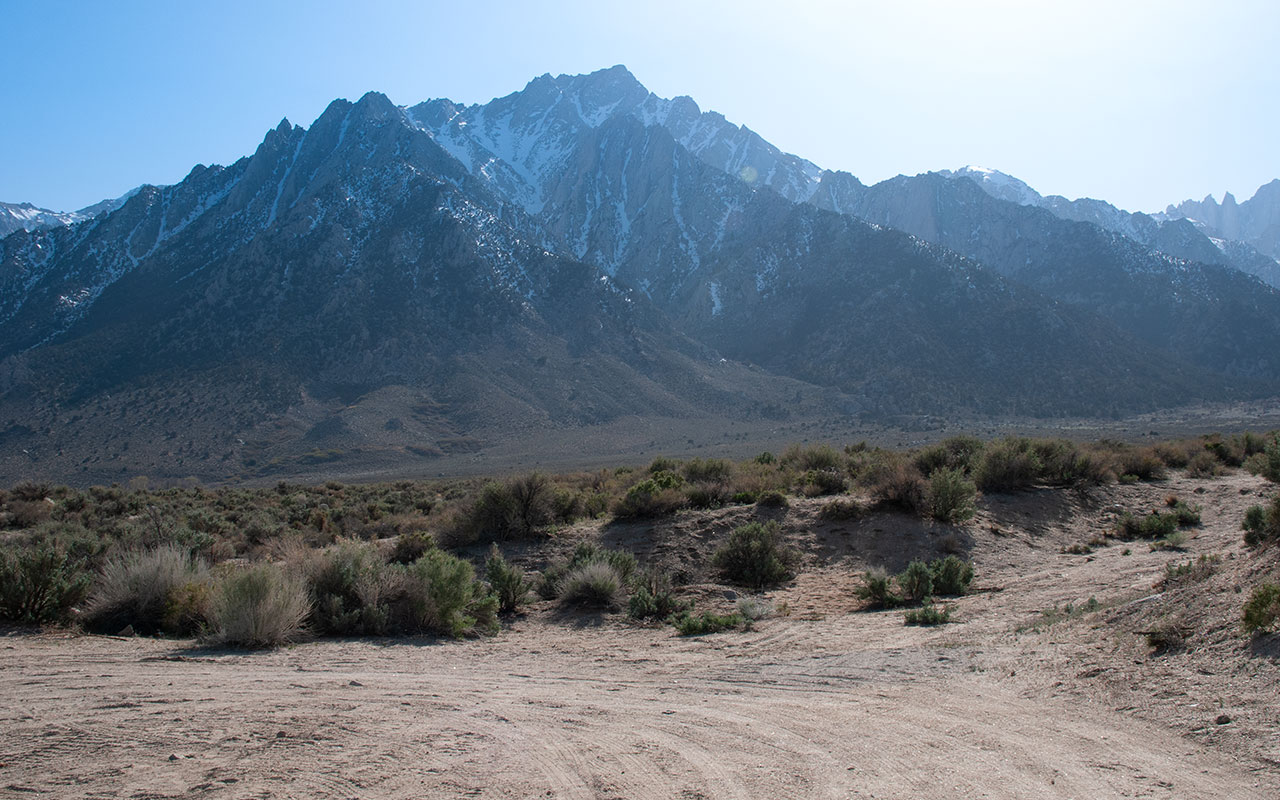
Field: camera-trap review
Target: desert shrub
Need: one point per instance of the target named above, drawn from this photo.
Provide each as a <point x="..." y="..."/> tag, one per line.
<point x="916" y="582"/>
<point x="819" y="482"/>
<point x="712" y="470"/>
<point x="927" y="615"/>
<point x="1007" y="465"/>
<point x="766" y="458"/>
<point x="442" y="596"/>
<point x="654" y="496"/>
<point x="551" y="584"/>
<point x="772" y="499"/>
<point x="894" y="482"/>
<point x="1204" y="465"/>
<point x="503" y="511"/>
<point x="411" y="546"/>
<point x="877" y="589"/>
<point x="687" y="624"/>
<point x="352" y="589"/>
<point x="1229" y="451"/>
<point x="188" y="608"/>
<point x="753" y="609"/>
<point x="951" y="576"/>
<point x="596" y="584"/>
<point x="819" y="457"/>
<point x="1191" y="571"/>
<point x="138" y="588"/>
<point x="1262" y="610"/>
<point x="1142" y="463"/>
<point x="40" y="583"/>
<point x="707" y="495"/>
<point x="1177" y="455"/>
<point x="1267" y="462"/>
<point x="1176" y="540"/>
<point x="663" y="464"/>
<point x="1063" y="463"/>
<point x="950" y="496"/>
<point x="1262" y="524"/>
<point x="840" y="509"/>
<point x="258" y="606"/>
<point x="1146" y="526"/>
<point x="507" y="581"/>
<point x="755" y="556"/>
<point x="654" y="599"/>
<point x="1187" y="515"/>
<point x="956" y="453"/>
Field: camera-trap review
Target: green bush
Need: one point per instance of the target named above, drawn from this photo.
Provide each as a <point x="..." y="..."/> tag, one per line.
<point x="877" y="589"/>
<point x="951" y="496"/>
<point x="352" y="590"/>
<point x="139" y="589"/>
<point x="819" y="482"/>
<point x="40" y="583"/>
<point x="443" y="597"/>
<point x="655" y="496"/>
<point x="755" y="556"/>
<point x="654" y="598"/>
<point x="507" y="581"/>
<point x="916" y="581"/>
<point x="951" y="576"/>
<point x="1267" y="462"/>
<point x="411" y="546"/>
<point x="512" y="510"/>
<point x="1262" y="524"/>
<point x="928" y="614"/>
<point x="1007" y="465"/>
<point x="259" y="606"/>
<point x="1262" y="610"/>
<point x="689" y="625"/>
<point x="957" y="452"/>
<point x="1147" y="526"/>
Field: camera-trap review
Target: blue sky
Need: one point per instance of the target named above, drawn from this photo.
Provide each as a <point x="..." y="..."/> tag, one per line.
<point x="1139" y="103"/>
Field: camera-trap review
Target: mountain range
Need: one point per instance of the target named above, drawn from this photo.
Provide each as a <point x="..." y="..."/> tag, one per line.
<point x="395" y="288"/>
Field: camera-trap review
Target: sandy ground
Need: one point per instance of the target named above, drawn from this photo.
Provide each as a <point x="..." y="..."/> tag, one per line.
<point x="823" y="702"/>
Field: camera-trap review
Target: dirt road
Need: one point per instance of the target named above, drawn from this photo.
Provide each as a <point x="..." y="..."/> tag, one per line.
<point x="850" y="705"/>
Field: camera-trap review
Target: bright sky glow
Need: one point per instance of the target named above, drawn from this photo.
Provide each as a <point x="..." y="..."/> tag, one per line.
<point x="1140" y="102"/>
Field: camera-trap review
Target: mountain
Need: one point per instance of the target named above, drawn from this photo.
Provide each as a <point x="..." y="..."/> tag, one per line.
<point x="1168" y="233"/>
<point x="577" y="268"/>
<point x="26" y="217"/>
<point x="1255" y="222"/>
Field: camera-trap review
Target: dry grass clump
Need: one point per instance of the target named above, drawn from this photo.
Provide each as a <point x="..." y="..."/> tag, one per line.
<point x="259" y="606"/>
<point x="158" y="590"/>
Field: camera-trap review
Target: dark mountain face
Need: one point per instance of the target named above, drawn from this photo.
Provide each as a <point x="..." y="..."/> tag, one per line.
<point x="1214" y="316"/>
<point x="392" y="285"/>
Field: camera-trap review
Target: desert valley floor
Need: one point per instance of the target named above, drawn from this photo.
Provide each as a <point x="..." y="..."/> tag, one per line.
<point x="1035" y="691"/>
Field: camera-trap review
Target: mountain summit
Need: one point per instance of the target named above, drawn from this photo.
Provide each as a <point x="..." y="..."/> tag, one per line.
<point x="577" y="269"/>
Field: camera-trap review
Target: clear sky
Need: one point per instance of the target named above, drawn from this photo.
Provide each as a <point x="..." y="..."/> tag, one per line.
<point x="1139" y="103"/>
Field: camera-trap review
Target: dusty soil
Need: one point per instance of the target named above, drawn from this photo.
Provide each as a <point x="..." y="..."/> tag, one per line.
<point x="1021" y="698"/>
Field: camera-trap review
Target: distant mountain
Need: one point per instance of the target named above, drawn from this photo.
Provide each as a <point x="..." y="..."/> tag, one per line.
<point x="1255" y="222"/>
<point x="26" y="217"/>
<point x="1168" y="233"/>
<point x="394" y="285"/>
